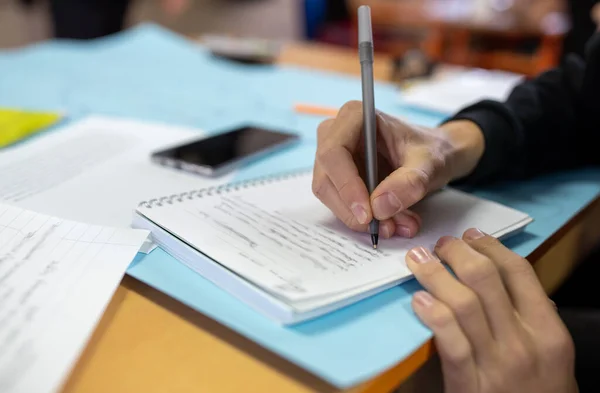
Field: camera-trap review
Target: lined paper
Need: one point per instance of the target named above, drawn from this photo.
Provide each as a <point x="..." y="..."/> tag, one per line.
<point x="56" y="278"/>
<point x="278" y="236"/>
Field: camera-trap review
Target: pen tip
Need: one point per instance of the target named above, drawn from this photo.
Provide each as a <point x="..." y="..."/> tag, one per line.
<point x="374" y="240"/>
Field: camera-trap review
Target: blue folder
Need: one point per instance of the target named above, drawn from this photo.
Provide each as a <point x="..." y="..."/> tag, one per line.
<point x="152" y="74"/>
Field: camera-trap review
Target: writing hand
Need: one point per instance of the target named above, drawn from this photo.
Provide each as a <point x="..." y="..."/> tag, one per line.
<point x="412" y="161"/>
<point x="495" y="329"/>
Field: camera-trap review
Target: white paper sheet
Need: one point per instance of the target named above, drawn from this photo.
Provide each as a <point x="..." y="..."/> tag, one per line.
<point x="56" y="278"/>
<point x="450" y="93"/>
<point x="95" y="170"/>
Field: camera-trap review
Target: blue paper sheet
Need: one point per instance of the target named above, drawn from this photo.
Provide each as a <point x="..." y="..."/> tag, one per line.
<point x="154" y="75"/>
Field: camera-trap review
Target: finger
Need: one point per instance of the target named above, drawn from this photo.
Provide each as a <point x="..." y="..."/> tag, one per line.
<point x="480" y="274"/>
<point x="405" y="186"/>
<point x="334" y="158"/>
<point x="323" y="131"/>
<point x="407" y="223"/>
<point x="325" y="190"/>
<point x="451" y="342"/>
<point x="346" y="129"/>
<point x="339" y="166"/>
<point x="463" y="302"/>
<point x="328" y="195"/>
<point x="524" y="288"/>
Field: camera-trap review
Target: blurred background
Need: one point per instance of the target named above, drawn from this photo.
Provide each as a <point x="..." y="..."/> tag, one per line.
<point x="523" y="36"/>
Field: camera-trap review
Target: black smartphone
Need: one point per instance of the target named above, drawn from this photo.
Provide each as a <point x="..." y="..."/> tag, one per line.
<point x="219" y="154"/>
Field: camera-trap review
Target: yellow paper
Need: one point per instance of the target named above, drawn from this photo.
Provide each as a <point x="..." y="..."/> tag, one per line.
<point x="16" y="125"/>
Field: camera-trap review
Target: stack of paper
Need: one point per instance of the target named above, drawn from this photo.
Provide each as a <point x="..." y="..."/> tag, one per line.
<point x="56" y="278"/>
<point x="452" y="92"/>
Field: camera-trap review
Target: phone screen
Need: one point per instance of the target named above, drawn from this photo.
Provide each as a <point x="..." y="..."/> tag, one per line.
<point x="221" y="150"/>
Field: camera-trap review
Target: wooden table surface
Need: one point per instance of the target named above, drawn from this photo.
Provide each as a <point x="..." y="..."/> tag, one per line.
<point x="148" y="342"/>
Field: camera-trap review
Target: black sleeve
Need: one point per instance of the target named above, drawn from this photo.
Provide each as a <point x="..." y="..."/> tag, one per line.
<point x="547" y="124"/>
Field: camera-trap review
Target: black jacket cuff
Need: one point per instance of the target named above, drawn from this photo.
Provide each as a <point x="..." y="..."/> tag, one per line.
<point x="501" y="140"/>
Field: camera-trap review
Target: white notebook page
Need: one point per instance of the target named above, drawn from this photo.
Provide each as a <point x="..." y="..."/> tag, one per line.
<point x="280" y="237"/>
<point x="56" y="278"/>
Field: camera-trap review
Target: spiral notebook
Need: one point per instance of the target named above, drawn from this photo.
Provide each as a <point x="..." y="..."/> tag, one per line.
<point x="274" y="246"/>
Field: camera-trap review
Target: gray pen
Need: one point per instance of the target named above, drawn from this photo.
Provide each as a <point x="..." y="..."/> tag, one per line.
<point x="365" y="52"/>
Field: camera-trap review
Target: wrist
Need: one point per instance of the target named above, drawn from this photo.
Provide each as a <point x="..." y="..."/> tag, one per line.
<point x="468" y="145"/>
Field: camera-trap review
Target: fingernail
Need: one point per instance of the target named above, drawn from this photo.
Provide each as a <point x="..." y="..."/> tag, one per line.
<point x="359" y="213"/>
<point x="424" y="299"/>
<point x="444" y="240"/>
<point x="473" y="234"/>
<point x="385" y="232"/>
<point x="404" y="231"/>
<point x="386" y="204"/>
<point x="421" y="255"/>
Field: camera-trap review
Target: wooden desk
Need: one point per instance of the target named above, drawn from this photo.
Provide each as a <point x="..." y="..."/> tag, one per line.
<point x="333" y="58"/>
<point x="147" y="342"/>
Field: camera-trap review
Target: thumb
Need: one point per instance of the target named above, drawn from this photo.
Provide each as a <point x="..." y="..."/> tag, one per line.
<point x="400" y="190"/>
<point x="405" y="186"/>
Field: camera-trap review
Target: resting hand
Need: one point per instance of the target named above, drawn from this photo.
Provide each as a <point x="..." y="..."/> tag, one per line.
<point x="412" y="161"/>
<point x="495" y="329"/>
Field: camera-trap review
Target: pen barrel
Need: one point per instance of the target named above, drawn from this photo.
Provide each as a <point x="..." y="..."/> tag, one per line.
<point x="370" y="124"/>
<point x="365" y="52"/>
<point x="374" y="227"/>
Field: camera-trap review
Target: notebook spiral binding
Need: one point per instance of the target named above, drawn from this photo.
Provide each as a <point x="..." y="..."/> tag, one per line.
<point x="222" y="189"/>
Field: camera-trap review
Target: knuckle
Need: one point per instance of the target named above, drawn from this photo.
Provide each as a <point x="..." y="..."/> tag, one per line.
<point x="559" y="348"/>
<point x="318" y="186"/>
<point x="441" y="317"/>
<point x="417" y="184"/>
<point x="466" y="305"/>
<point x="324" y="127"/>
<point x="323" y="155"/>
<point x="438" y="163"/>
<point x="443" y="144"/>
<point x="352" y="106"/>
<point x="522" y="359"/>
<point x="413" y="136"/>
<point x="476" y="271"/>
<point x="344" y="186"/>
<point x="382" y="118"/>
<point x="461" y="354"/>
<point x="348" y="187"/>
